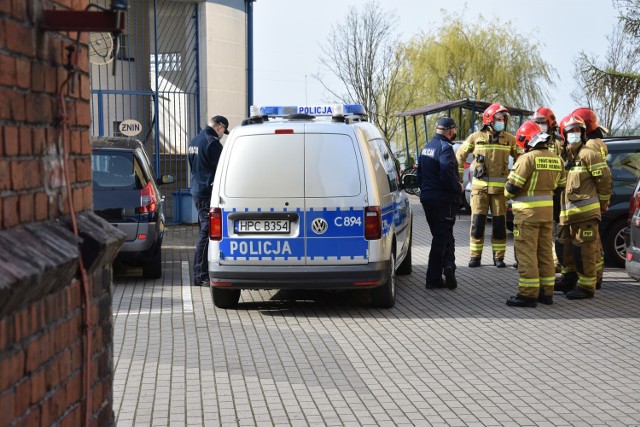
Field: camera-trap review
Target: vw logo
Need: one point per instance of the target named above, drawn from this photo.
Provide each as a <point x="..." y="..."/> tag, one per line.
<point x="319" y="226"/>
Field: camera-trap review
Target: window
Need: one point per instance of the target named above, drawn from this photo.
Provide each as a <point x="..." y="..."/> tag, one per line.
<point x="117" y="170"/>
<point x="166" y="62"/>
<point x="624" y="166"/>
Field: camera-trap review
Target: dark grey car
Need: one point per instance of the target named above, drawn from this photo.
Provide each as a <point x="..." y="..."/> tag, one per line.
<point x="126" y="194"/>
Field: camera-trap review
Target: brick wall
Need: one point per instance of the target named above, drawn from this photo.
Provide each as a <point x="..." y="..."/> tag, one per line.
<point x="42" y="305"/>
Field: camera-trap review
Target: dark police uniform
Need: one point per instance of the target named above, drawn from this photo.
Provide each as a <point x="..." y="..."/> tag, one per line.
<point x="204" y="153"/>
<point x="440" y="194"/>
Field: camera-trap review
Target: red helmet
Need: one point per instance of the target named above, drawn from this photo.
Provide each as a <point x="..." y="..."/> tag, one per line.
<point x="571" y="122"/>
<point x="588" y="117"/>
<point x="529" y="135"/>
<point x="494" y="111"/>
<point x="544" y="114"/>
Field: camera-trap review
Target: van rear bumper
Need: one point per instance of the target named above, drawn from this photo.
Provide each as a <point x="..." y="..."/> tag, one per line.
<point x="299" y="277"/>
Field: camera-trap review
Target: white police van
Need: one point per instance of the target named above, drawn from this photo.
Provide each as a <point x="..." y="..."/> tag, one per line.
<point x="304" y="202"/>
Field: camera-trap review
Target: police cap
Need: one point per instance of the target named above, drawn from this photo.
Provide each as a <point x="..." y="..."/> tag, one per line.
<point x="446" y="123"/>
<point x="222" y="120"/>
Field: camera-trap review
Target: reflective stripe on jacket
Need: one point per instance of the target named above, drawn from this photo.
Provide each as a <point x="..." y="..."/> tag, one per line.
<point x="531" y="183"/>
<point x="588" y="183"/>
<point x="496" y="152"/>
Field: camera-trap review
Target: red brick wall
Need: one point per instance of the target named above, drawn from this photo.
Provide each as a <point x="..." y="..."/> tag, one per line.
<point x="41" y="303"/>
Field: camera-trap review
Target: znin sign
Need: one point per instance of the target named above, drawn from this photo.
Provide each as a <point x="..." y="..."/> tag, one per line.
<point x="130" y="127"/>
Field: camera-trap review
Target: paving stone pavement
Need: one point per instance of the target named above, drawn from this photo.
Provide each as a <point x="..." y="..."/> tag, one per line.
<point x="439" y="357"/>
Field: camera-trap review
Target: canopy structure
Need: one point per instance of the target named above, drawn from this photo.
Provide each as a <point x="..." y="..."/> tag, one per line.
<point x="474" y="106"/>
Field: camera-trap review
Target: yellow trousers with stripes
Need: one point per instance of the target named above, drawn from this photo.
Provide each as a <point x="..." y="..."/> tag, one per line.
<point x="481" y="202"/>
<point x="568" y="236"/>
<point x="533" y="245"/>
<point x="582" y="251"/>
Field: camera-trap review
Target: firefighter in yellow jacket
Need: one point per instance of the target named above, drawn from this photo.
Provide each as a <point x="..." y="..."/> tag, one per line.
<point x="491" y="147"/>
<point x="536" y="176"/>
<point x="586" y="195"/>
<point x="595" y="133"/>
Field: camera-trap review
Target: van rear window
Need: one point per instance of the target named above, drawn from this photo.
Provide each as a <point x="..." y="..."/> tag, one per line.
<point x="266" y="166"/>
<point x="116" y="170"/>
<point x="331" y="166"/>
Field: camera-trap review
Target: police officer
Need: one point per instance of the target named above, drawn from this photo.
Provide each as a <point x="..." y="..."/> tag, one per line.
<point x="204" y="153"/>
<point x="440" y="192"/>
<point x="535" y="177"/>
<point x="491" y="147"/>
<point x="587" y="194"/>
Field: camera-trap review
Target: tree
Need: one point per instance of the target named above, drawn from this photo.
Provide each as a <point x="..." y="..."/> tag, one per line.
<point x="363" y="53"/>
<point x="612" y="87"/>
<point x="493" y="63"/>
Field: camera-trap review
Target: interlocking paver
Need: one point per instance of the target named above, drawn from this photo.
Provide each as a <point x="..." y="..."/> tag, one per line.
<point x="439" y="357"/>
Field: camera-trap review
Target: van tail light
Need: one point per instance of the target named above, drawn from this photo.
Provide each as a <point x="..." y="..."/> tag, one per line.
<point x="372" y="223"/>
<point x="148" y="200"/>
<point x="215" y="224"/>
<point x="466" y="165"/>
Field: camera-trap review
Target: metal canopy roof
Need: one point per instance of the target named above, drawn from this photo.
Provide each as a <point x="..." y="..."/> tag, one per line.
<point x="469" y="104"/>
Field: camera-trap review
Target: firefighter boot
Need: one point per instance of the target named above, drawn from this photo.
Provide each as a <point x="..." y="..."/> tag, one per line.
<point x="580" y="293"/>
<point x="567" y="282"/>
<point x="520" y="301"/>
<point x="545" y="299"/>
<point x="499" y="262"/>
<point x="474" y="262"/>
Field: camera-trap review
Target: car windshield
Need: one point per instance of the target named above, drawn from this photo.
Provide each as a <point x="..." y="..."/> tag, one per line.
<point x="116" y="170"/>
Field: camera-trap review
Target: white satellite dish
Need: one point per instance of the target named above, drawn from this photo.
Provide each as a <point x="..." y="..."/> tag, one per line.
<point x="101" y="48"/>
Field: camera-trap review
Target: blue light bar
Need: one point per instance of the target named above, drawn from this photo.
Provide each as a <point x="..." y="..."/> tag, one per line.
<point x="314" y="110"/>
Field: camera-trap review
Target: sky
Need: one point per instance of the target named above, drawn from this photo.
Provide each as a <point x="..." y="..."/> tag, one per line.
<point x="288" y="35"/>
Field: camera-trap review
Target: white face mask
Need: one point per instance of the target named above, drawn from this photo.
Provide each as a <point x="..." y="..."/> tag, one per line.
<point x="543" y="127"/>
<point x="573" y="137"/>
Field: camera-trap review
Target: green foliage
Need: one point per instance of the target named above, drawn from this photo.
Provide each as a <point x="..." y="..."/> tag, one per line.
<point x="489" y="62"/>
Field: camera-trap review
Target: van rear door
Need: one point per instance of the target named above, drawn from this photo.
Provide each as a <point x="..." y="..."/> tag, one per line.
<point x="334" y="200"/>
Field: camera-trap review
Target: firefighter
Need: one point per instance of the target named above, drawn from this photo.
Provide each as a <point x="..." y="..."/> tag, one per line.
<point x="586" y="196"/>
<point x="536" y="176"/>
<point x="546" y="119"/>
<point x="595" y="133"/>
<point x="491" y="147"/>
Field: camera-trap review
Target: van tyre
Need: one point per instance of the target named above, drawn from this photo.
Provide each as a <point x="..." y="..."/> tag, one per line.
<point x="613" y="244"/>
<point x="384" y="296"/>
<point x="225" y="298"/>
<point x="406" y="264"/>
<point x="152" y="269"/>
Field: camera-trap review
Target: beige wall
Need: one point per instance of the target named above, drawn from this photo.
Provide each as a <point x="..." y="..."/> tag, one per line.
<point x="223" y="50"/>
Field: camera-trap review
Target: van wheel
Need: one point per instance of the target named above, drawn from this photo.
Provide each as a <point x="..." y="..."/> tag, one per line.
<point x="384" y="296"/>
<point x="152" y="269"/>
<point x="406" y="264"/>
<point x="225" y="298"/>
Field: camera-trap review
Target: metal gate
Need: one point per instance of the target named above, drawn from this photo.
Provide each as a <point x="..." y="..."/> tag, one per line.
<point x="150" y="74"/>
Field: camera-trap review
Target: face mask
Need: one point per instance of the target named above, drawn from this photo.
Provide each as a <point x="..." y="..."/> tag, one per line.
<point x="573" y="138"/>
<point x="498" y="126"/>
<point x="544" y="127"/>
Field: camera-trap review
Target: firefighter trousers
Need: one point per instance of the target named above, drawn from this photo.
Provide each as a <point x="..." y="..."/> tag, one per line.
<point x="568" y="258"/>
<point x="481" y="202"/>
<point x="533" y="245"/>
<point x="582" y="251"/>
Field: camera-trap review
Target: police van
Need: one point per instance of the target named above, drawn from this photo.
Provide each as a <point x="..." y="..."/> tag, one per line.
<point x="304" y="201"/>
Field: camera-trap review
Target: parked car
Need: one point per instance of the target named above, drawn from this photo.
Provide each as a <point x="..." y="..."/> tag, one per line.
<point x="624" y="161"/>
<point x="632" y="236"/>
<point x="126" y="194"/>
